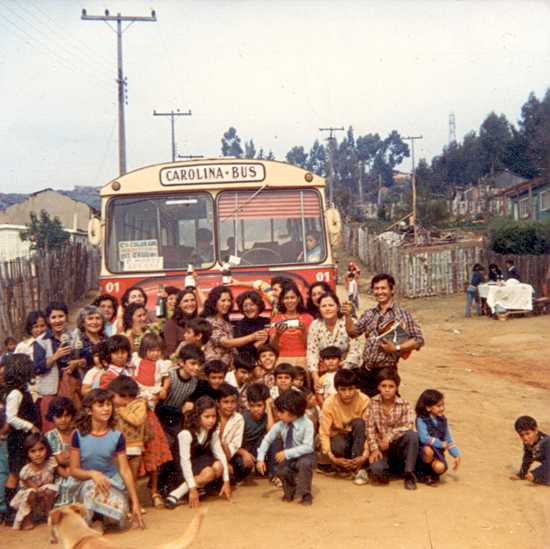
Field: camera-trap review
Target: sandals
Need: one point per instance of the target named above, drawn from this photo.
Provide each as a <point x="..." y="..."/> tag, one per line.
<point x="158" y="502"/>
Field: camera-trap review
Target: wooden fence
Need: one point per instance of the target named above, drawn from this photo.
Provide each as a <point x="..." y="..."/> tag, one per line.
<point x="30" y="284"/>
<point x="435" y="270"/>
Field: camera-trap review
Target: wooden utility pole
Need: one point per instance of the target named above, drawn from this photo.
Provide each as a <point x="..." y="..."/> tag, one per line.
<point x="120" y="80"/>
<point x="330" y="138"/>
<point x="172" y="114"/>
<point x="413" y="217"/>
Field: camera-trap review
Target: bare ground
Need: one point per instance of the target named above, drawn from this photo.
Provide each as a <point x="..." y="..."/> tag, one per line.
<point x="491" y="372"/>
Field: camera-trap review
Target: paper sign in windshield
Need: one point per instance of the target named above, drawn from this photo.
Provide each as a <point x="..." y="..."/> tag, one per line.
<point x="144" y="264"/>
<point x="138" y="249"/>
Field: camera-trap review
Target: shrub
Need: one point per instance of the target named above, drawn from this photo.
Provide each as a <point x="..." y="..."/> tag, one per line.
<point x="528" y="237"/>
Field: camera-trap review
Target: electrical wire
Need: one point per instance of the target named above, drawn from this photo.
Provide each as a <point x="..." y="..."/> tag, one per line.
<point x="65" y="64"/>
<point x="48" y="38"/>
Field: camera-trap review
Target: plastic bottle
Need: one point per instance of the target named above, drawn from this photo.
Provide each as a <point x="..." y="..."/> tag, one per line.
<point x="226" y="271"/>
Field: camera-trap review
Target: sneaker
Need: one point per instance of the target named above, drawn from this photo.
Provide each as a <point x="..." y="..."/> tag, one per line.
<point x="171" y="502"/>
<point x="361" y="477"/>
<point x="287" y="498"/>
<point x="276" y="481"/>
<point x="410" y="483"/>
<point x="346" y="475"/>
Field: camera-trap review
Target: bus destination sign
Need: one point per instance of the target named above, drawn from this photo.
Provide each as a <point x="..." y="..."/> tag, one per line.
<point x="212" y="173"/>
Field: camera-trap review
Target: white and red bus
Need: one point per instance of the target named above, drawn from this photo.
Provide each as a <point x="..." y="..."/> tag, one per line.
<point x="159" y="219"/>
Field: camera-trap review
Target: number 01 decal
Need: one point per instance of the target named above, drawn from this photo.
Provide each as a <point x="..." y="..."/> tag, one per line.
<point x="323" y="276"/>
<point x="110" y="286"/>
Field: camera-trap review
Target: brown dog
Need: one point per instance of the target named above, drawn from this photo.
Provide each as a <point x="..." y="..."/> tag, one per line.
<point x="68" y="527"/>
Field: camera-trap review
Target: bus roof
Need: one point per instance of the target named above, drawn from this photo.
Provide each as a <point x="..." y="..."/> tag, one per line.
<point x="214" y="174"/>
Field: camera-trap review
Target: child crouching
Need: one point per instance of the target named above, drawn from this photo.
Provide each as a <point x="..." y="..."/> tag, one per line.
<point x="296" y="459"/>
<point x="536" y="447"/>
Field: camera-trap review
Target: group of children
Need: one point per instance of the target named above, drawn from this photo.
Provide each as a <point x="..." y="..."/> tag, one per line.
<point x="193" y="426"/>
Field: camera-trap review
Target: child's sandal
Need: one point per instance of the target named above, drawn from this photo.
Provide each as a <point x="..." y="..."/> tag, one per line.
<point x="158" y="502"/>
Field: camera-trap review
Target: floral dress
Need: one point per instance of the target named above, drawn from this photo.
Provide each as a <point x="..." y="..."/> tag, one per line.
<point x="43" y="479"/>
<point x="214" y="350"/>
<point x="58" y="447"/>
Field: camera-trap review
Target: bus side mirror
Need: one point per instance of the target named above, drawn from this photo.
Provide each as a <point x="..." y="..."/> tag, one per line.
<point x="94" y="231"/>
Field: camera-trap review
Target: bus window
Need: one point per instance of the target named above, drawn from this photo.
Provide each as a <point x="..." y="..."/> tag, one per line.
<point x="272" y="227"/>
<point x="155" y="233"/>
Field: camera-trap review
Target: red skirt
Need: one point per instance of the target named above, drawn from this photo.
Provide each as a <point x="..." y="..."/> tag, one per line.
<point x="157" y="452"/>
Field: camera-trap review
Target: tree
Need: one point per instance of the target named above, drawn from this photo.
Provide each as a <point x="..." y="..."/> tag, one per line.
<point x="495" y="137"/>
<point x="297" y="156"/>
<point x="270" y="155"/>
<point x="317" y="159"/>
<point x="231" y="144"/>
<point x="45" y="234"/>
<point x="249" y="149"/>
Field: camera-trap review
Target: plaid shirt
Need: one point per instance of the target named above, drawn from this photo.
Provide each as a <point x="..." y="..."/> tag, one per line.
<point x="373" y="355"/>
<point x="394" y="425"/>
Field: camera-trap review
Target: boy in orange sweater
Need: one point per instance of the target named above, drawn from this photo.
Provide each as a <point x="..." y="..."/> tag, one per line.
<point x="342" y="431"/>
<point x="131" y="416"/>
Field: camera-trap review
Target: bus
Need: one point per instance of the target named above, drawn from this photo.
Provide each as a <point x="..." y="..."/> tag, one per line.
<point x="259" y="215"/>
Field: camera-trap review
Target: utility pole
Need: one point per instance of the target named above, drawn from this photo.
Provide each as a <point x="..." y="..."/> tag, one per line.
<point x="172" y="114"/>
<point x="452" y="128"/>
<point x="120" y="80"/>
<point x="330" y="140"/>
<point x="413" y="218"/>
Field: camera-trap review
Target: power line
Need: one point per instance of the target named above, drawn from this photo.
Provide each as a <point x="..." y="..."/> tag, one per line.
<point x="48" y="38"/>
<point x="62" y="62"/>
<point x="172" y="116"/>
<point x="331" y="138"/>
<point x="86" y="50"/>
<point x="121" y="80"/>
<point x="412" y="140"/>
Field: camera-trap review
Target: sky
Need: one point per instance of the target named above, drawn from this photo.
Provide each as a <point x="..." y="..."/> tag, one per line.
<point x="276" y="70"/>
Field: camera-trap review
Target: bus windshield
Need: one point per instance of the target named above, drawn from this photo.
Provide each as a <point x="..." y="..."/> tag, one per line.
<point x="160" y="232"/>
<point x="271" y="227"/>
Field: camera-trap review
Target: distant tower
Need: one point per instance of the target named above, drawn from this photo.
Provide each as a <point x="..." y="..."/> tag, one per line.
<point x="452" y="128"/>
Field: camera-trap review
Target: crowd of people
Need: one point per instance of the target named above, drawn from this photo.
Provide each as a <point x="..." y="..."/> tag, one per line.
<point x="198" y="404"/>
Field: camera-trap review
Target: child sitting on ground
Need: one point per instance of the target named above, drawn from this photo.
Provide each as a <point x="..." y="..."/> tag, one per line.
<point x="258" y="420"/>
<point x="150" y="371"/>
<point x="331" y="357"/>
<point x="342" y="431"/>
<point x="300" y="377"/>
<point x="131" y="418"/>
<point x="243" y="365"/>
<point x="201" y="454"/>
<point x="170" y="411"/>
<point x="214" y="373"/>
<point x="389" y="428"/>
<point x="435" y="437"/>
<point x="267" y="358"/>
<point x="297" y="459"/>
<point x="536" y="447"/>
<point x="61" y="413"/>
<point x="38" y="491"/>
<point x="231" y="422"/>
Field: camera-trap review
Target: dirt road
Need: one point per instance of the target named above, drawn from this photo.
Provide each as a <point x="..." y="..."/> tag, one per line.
<point x="491" y="372"/>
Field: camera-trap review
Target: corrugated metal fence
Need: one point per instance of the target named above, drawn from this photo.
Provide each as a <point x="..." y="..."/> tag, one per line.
<point x="30" y="284"/>
<point x="440" y="269"/>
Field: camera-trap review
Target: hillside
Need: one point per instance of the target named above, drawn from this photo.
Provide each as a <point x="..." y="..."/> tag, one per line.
<point x="88" y="195"/>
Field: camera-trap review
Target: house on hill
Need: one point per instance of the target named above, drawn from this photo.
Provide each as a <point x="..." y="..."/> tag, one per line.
<point x="74" y="217"/>
<point x="526" y="200"/>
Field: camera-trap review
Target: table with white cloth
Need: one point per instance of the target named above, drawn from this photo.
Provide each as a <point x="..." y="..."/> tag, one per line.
<point x="513" y="297"/>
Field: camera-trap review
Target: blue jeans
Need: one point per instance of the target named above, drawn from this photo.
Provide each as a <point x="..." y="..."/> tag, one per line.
<point x="472" y="295"/>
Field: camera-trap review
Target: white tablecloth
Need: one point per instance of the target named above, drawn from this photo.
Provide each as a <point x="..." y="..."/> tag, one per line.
<point x="517" y="297"/>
